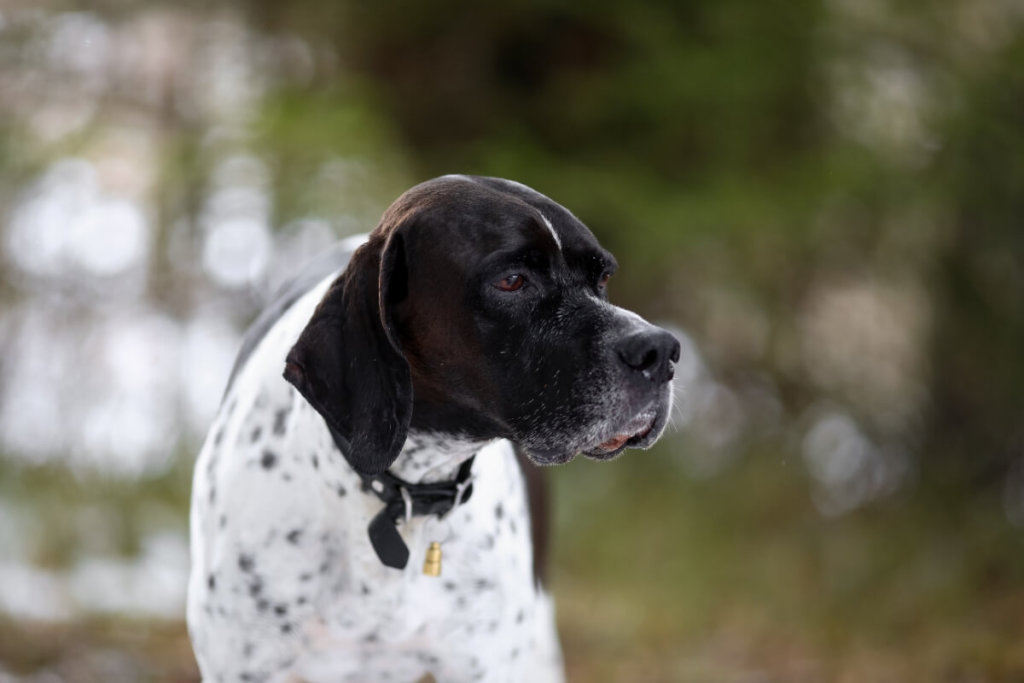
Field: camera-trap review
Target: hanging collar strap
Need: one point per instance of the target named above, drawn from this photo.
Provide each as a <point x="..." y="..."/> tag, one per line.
<point x="403" y="500"/>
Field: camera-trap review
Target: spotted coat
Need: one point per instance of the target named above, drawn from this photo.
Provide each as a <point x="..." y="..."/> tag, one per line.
<point x="285" y="586"/>
<point x="475" y="316"/>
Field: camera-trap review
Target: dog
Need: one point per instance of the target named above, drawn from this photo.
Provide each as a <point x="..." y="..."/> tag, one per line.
<point x="366" y="516"/>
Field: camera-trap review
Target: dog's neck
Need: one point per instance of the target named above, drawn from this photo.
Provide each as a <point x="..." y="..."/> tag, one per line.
<point x="430" y="457"/>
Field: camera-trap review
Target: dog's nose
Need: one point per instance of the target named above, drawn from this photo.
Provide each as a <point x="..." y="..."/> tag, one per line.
<point x="651" y="353"/>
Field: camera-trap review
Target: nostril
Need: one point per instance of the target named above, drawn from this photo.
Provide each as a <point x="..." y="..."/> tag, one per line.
<point x="650" y="353"/>
<point x="638" y="355"/>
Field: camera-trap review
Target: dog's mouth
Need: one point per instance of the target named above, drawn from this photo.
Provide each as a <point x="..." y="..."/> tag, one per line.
<point x="633" y="433"/>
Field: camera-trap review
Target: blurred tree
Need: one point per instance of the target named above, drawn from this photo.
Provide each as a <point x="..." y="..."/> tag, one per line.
<point x="659" y="95"/>
<point x="663" y="125"/>
<point x="976" y="426"/>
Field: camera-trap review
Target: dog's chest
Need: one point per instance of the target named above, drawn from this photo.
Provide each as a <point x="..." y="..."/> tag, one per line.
<point x="282" y="547"/>
<point x="486" y="559"/>
<point x="483" y="608"/>
<point x="286" y="586"/>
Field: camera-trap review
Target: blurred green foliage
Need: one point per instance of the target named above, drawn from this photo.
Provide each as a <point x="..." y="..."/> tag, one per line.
<point x="668" y="579"/>
<point x="976" y="425"/>
<point x="754" y="166"/>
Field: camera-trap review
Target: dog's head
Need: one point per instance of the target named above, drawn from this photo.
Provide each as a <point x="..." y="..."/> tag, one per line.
<point x="478" y="308"/>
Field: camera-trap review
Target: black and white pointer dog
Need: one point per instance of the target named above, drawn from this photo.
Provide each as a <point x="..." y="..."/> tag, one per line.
<point x="365" y="517"/>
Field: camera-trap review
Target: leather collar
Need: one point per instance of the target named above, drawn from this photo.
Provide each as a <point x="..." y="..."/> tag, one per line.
<point x="403" y="500"/>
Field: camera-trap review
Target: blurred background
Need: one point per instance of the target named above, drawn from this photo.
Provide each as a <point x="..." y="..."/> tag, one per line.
<point x="824" y="199"/>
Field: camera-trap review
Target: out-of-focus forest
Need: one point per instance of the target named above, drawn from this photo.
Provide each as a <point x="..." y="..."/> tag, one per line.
<point x="823" y="199"/>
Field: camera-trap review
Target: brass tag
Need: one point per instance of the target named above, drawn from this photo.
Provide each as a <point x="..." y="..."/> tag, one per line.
<point x="432" y="563"/>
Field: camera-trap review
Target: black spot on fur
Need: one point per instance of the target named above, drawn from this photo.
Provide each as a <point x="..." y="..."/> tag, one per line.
<point x="269" y="460"/>
<point x="293" y="536"/>
<point x="245" y="562"/>
<point x="211" y="581"/>
<point x="499" y="511"/>
<point x="281" y="610"/>
<point x="520" y="616"/>
<point x="316" y="462"/>
<point x="255" y="586"/>
<point x="256" y="434"/>
<point x="218" y="436"/>
<point x="280" y="420"/>
<point x="341" y="491"/>
<point x="305" y="576"/>
<point x="301" y="600"/>
<point x="449" y="585"/>
<point x="247" y="649"/>
<point x="223" y="521"/>
<point x="286" y="476"/>
<point x="365" y="589"/>
<point x="262" y="605"/>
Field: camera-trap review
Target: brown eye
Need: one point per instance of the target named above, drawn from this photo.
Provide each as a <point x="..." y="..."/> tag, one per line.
<point x="603" y="281"/>
<point x="511" y="283"/>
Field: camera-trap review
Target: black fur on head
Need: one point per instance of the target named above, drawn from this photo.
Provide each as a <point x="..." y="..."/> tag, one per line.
<point x="423" y="332"/>
<point x="348" y="362"/>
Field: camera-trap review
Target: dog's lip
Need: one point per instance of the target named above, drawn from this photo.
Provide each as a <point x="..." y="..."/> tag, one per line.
<point x="633" y="433"/>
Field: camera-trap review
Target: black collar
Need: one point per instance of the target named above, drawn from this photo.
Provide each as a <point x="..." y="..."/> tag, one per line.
<point x="424" y="499"/>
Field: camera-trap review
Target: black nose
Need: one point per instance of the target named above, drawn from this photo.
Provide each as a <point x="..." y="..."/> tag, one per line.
<point x="650" y="352"/>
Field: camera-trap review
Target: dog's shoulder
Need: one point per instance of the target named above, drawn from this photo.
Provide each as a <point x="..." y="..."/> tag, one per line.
<point x="265" y="444"/>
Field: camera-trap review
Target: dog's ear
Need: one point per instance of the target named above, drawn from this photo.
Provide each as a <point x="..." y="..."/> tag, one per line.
<point x="348" y="361"/>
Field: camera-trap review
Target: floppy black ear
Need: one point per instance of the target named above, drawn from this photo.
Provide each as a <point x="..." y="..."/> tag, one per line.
<point x="348" y="362"/>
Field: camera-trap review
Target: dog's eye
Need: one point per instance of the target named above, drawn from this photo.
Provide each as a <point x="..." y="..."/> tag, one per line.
<point x="602" y="282"/>
<point x="511" y="283"/>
